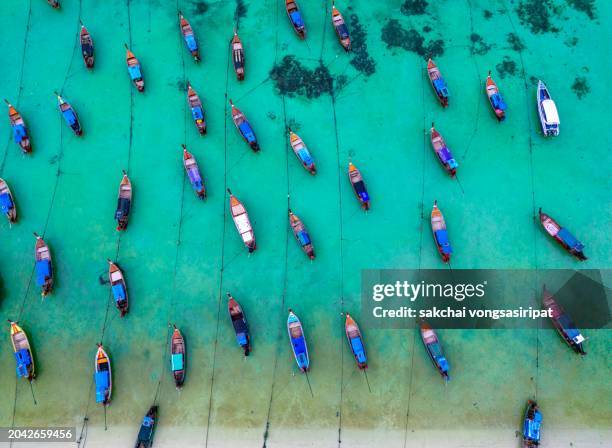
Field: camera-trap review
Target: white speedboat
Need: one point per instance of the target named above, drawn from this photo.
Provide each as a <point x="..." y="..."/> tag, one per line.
<point x="549" y="117"/>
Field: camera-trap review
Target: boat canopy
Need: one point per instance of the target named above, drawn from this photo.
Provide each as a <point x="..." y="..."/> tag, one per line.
<point x="531" y="430"/>
<point x="6" y="203"/>
<point x="342" y="31"/>
<point x="442" y="241"/>
<point x="87" y="50"/>
<point x="123" y="208"/>
<point x="118" y="292"/>
<point x="242" y="331"/>
<point x="43" y="271"/>
<point x="445" y="155"/>
<point x="197" y="113"/>
<point x="303" y="237"/>
<point x="569" y="239"/>
<point x="19" y="133"/>
<point x="498" y="102"/>
<point x="194" y="175"/>
<point x="247" y="131"/>
<point x="24" y="360"/>
<point x="102" y="380"/>
<point x="191" y="42"/>
<point x="305" y="156"/>
<point x="70" y="117"/>
<point x="570" y="329"/>
<point x="177" y="362"/>
<point x="242" y="223"/>
<point x="296" y="19"/>
<point x="551" y="115"/>
<point x="134" y="71"/>
<point x="440" y="87"/>
<point x="360" y="188"/>
<point x="358" y="350"/>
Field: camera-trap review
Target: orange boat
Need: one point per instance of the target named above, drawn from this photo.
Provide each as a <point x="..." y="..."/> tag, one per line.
<point x="134" y="69"/>
<point x="359" y="186"/>
<point x="341" y="29"/>
<point x="438" y="228"/>
<point x="189" y="37"/>
<point x="437" y="82"/>
<point x="242" y="222"/>
<point x="295" y="17"/>
<point x="197" y="110"/>
<point x="87" y="48"/>
<point x="495" y="98"/>
<point x="238" y="56"/>
<point x="20" y="132"/>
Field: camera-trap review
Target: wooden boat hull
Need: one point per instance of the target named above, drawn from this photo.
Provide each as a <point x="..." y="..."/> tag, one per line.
<point x="118" y="288"/>
<point x="437" y="83"/>
<point x="443" y="153"/>
<point x="147" y="429"/>
<point x="495" y="99"/>
<point x="240" y="324"/>
<point x="298" y="342"/>
<point x="238" y="57"/>
<point x="341" y="29"/>
<point x="301" y="235"/>
<point x="562" y="236"/>
<point x="197" y="110"/>
<point x="23" y="352"/>
<point x="244" y="128"/>
<point x="135" y="71"/>
<point x="193" y="173"/>
<point x="124" y="203"/>
<point x="302" y="153"/>
<point x="87" y="48"/>
<point x="178" y="358"/>
<point x="70" y="116"/>
<point x="440" y="235"/>
<point x="189" y="37"/>
<point x="295" y="18"/>
<point x="21" y="135"/>
<point x="7" y="202"/>
<point x="44" y="266"/>
<point x="359" y="186"/>
<point x="563" y="323"/>
<point x="103" y="377"/>
<point x="355" y="340"/>
<point x="242" y="223"/>
<point x="434" y="350"/>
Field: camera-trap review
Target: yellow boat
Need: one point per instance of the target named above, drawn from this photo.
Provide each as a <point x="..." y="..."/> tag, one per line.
<point x="23" y="352"/>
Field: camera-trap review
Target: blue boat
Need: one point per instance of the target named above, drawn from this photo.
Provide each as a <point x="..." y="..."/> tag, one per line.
<point x="43" y="266"/>
<point x="531" y="426"/>
<point x="437" y="83"/>
<point x="134" y="70"/>
<point x="438" y="228"/>
<point x="495" y="98"/>
<point x="147" y="429"/>
<point x="20" y="132"/>
<point x="239" y="322"/>
<point x="7" y="203"/>
<point x="189" y="36"/>
<point x="23" y="352"/>
<point x="301" y="234"/>
<point x="434" y="350"/>
<point x="355" y="341"/>
<point x="298" y="341"/>
<point x="442" y="152"/>
<point x="103" y="377"/>
<point x="295" y="17"/>
<point x="193" y="172"/>
<point x="244" y="127"/>
<point x="568" y="241"/>
<point x="118" y="287"/>
<point x="69" y="115"/>
<point x="563" y="323"/>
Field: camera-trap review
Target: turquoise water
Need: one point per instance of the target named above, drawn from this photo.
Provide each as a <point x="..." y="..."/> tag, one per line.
<point x="181" y="255"/>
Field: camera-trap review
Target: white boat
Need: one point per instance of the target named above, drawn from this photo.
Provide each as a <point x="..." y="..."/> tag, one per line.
<point x="242" y="222"/>
<point x="549" y="117"/>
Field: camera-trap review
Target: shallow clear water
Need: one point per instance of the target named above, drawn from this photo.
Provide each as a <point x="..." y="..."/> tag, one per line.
<point x="181" y="255"/>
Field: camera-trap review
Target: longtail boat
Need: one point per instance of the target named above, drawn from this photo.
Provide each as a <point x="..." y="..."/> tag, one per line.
<point x="239" y="322"/>
<point x="341" y="29"/>
<point x="301" y="234"/>
<point x="562" y="236"/>
<point x="295" y="17"/>
<point x="434" y="350"/>
<point x="178" y="357"/>
<point x="442" y="152"/>
<point x="242" y="222"/>
<point x="22" y="352"/>
<point x="359" y="186"/>
<point x="118" y="287"/>
<point x="44" y="266"/>
<point x="197" y="110"/>
<point x="193" y="172"/>
<point x="238" y="56"/>
<point x="124" y="202"/>
<point x="495" y="98"/>
<point x="438" y="228"/>
<point x="7" y="202"/>
<point x="134" y="69"/>
<point x="147" y="429"/>
<point x="87" y="48"/>
<point x="437" y="83"/>
<point x="547" y="110"/>
<point x="103" y="377"/>
<point x="54" y="3"/>
<point x="70" y="115"/>
<point x="20" y="132"/>
<point x="355" y="340"/>
<point x="531" y="425"/>
<point x="302" y="153"/>
<point x="244" y="127"/>
<point x="189" y="37"/>
<point x="298" y="341"/>
<point x="563" y="323"/>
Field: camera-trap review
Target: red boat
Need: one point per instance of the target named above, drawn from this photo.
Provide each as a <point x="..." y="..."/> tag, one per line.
<point x="197" y="110"/>
<point x="495" y="98"/>
<point x="562" y="236"/>
<point x="238" y="56"/>
<point x="359" y="186"/>
<point x="87" y="48"/>
<point x="189" y="37"/>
